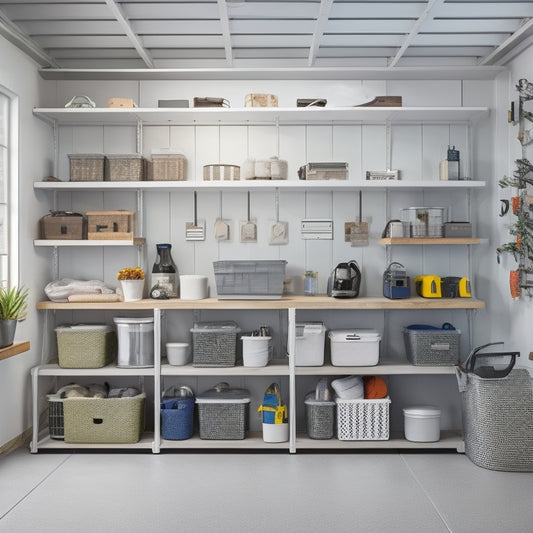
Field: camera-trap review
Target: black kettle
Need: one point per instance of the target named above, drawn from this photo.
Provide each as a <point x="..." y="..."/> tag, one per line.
<point x="345" y="280"/>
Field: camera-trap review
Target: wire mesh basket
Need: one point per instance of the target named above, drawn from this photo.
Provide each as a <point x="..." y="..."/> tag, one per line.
<point x="497" y="410"/>
<point x="55" y="417"/>
<point x="363" y="419"/>
<point x="320" y="418"/>
<point x="432" y="346"/>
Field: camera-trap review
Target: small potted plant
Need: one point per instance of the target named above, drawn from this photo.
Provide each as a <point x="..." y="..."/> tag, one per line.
<point x="13" y="309"/>
<point x="132" y="283"/>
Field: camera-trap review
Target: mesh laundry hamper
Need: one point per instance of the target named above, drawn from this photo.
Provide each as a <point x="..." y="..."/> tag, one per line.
<point x="497" y="413"/>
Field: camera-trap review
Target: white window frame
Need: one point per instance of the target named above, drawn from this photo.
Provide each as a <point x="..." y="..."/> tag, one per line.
<point x="11" y="277"/>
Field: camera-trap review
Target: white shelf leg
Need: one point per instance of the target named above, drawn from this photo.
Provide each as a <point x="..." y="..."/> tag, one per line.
<point x="157" y="381"/>
<point x="291" y="348"/>
<point x="35" y="408"/>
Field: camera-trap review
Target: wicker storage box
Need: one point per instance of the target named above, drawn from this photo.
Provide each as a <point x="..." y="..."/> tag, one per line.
<point x="431" y="346"/>
<point x="85" y="346"/>
<point x="55" y="416"/>
<point x="249" y="280"/>
<point x="124" y="167"/>
<point x="110" y="225"/>
<point x="363" y="419"/>
<point x="320" y="418"/>
<point x="167" y="167"/>
<point x="104" y="420"/>
<point x="223" y="413"/>
<point x="62" y="225"/>
<point x="86" y="167"/>
<point x="214" y="344"/>
<point x="222" y="172"/>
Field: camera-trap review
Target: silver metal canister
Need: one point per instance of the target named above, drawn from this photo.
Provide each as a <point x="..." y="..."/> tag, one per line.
<point x="135" y="342"/>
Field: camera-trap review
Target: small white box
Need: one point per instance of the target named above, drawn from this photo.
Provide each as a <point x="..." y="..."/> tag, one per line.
<point x="309" y="347"/>
<point x="355" y="347"/>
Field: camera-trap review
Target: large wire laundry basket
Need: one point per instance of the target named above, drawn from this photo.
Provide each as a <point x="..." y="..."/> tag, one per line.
<point x="497" y="413"/>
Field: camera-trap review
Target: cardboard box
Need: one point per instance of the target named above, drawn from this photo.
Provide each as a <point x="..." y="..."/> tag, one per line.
<point x="121" y="102"/>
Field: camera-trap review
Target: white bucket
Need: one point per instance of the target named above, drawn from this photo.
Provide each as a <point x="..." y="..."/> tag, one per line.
<point x="255" y="350"/>
<point x="178" y="353"/>
<point x="422" y="423"/>
<point x="193" y="287"/>
<point x="275" y="432"/>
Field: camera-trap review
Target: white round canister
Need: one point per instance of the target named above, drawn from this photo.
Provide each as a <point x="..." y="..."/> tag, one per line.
<point x="193" y="287"/>
<point x="422" y="423"/>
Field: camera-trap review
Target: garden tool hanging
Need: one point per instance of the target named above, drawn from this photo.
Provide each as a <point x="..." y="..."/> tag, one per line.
<point x="279" y="231"/>
<point x="248" y="227"/>
<point x="195" y="231"/>
<point x="357" y="232"/>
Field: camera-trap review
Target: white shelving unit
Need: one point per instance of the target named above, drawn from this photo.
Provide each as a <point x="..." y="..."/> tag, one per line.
<point x="139" y="117"/>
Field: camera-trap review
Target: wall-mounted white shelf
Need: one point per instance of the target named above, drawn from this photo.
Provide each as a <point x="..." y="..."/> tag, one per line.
<point x="264" y="115"/>
<point x="258" y="185"/>
<point x="137" y="241"/>
<point x="395" y="241"/>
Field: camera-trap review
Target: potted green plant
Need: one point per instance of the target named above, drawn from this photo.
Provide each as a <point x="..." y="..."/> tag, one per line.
<point x="13" y="308"/>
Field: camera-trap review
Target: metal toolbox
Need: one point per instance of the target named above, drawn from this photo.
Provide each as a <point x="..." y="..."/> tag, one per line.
<point x="323" y="171"/>
<point x="62" y="225"/>
<point x="457" y="229"/>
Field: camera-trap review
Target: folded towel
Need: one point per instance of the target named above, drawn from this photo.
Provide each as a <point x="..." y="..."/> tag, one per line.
<point x="375" y="387"/>
<point x="349" y="388"/>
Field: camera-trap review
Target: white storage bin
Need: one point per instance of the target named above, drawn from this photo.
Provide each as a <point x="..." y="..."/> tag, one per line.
<point x="255" y="350"/>
<point x="309" y="347"/>
<point x="135" y="342"/>
<point x="178" y="353"/>
<point x="355" y="347"/>
<point x="422" y="423"/>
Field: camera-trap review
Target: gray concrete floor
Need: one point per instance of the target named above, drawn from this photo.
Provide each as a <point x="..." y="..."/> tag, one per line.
<point x="260" y="492"/>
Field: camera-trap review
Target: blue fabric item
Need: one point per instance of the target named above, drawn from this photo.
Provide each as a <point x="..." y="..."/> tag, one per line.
<point x="177" y="418"/>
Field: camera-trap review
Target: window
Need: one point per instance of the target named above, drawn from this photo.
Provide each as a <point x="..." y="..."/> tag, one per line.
<point x="8" y="190"/>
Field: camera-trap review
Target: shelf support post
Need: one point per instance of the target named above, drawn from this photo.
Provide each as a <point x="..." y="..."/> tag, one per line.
<point x="291" y="348"/>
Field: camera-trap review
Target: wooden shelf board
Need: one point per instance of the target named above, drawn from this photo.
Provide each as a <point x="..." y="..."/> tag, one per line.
<point x="146" y="442"/>
<point x="253" y="441"/>
<point x="428" y="241"/>
<point x="52" y="369"/>
<point x="287" y="302"/>
<point x="274" y="368"/>
<point x="448" y="440"/>
<point x="14" y="349"/>
<point x="137" y="241"/>
<point x="257" y="185"/>
<point x="384" y="368"/>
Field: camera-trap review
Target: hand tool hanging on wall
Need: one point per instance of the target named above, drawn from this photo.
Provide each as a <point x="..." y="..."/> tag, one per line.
<point x="279" y="231"/>
<point x="195" y="231"/>
<point x="357" y="232"/>
<point x="248" y="227"/>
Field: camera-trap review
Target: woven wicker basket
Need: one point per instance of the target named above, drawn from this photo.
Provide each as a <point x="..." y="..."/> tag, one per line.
<point x="124" y="167"/>
<point x="104" y="420"/>
<point x="115" y="225"/>
<point x="498" y="421"/>
<point x="167" y="167"/>
<point x="86" y="167"/>
<point x="85" y="346"/>
<point x="363" y="419"/>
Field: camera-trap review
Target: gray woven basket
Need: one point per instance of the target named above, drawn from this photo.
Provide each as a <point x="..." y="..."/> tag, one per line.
<point x="498" y="421"/>
<point x="124" y="167"/>
<point x="320" y="418"/>
<point x="432" y="347"/>
<point x="214" y="344"/>
<point x="224" y="421"/>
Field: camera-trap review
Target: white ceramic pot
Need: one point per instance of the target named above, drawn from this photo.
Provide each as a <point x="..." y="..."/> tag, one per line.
<point x="193" y="287"/>
<point x="178" y="353"/>
<point x="132" y="289"/>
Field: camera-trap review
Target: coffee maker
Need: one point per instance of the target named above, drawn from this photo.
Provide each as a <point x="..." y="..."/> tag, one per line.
<point x="345" y="280"/>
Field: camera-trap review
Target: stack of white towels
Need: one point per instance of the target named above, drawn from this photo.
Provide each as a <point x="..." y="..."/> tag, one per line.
<point x="349" y="388"/>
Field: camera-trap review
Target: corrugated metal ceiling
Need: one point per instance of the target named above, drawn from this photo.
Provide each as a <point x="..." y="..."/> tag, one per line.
<point x="194" y="34"/>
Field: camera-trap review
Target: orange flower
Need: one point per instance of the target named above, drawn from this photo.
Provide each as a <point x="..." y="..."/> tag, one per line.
<point x="131" y="273"/>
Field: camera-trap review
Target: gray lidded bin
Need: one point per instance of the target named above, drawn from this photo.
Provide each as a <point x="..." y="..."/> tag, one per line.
<point x="135" y="342"/>
<point x="214" y="344"/>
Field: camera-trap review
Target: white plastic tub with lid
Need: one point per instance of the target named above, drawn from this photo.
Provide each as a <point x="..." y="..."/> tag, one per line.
<point x="354" y="347"/>
<point x="309" y="347"/>
<point x="422" y="423"/>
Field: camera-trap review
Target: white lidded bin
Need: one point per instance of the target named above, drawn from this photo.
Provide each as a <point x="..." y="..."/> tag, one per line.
<point x="178" y="353"/>
<point x="135" y="342"/>
<point x="422" y="423"/>
<point x="309" y="346"/>
<point x="354" y="347"/>
<point x="193" y="287"/>
<point x="255" y="350"/>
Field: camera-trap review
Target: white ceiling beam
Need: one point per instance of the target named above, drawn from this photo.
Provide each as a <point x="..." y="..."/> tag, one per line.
<point x="321" y="21"/>
<point x="498" y="53"/>
<point x="426" y="15"/>
<point x="123" y="21"/>
<point x="14" y="35"/>
<point x="226" y="35"/>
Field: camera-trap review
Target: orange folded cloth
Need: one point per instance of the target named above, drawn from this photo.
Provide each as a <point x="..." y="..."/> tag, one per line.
<point x="375" y="387"/>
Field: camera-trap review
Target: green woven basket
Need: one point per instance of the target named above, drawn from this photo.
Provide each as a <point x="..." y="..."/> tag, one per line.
<point x="104" y="420"/>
